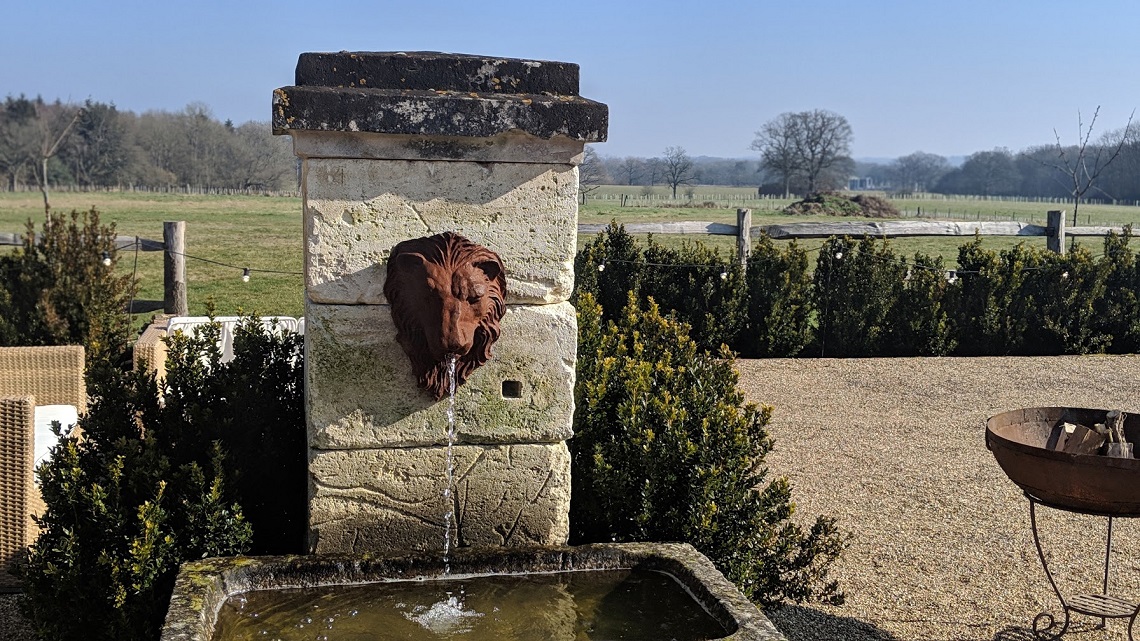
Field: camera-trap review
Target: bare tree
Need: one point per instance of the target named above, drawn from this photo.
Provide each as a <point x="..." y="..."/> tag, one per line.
<point x="630" y="169"/>
<point x="990" y="173"/>
<point x="824" y="143"/>
<point x="918" y="171"/>
<point x="591" y="174"/>
<point x="653" y="171"/>
<point x="807" y="144"/>
<point x="203" y="144"/>
<point x="54" y="122"/>
<point x="677" y="168"/>
<point x="1080" y="166"/>
<point x="776" y="142"/>
<point x="256" y="159"/>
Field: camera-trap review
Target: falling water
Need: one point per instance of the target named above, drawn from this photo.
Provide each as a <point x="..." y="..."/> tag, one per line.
<point x="448" y="615"/>
<point x="449" y="502"/>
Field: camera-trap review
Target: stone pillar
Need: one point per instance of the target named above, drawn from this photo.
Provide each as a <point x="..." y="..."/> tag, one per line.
<point x="403" y="145"/>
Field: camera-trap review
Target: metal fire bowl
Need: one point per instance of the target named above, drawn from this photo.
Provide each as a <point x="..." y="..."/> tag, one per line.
<point x="1076" y="482"/>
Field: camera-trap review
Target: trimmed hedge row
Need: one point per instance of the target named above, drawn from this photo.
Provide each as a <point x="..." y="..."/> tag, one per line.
<point x="863" y="299"/>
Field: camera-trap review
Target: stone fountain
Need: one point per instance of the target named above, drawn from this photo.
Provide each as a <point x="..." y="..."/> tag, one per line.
<point x="440" y="197"/>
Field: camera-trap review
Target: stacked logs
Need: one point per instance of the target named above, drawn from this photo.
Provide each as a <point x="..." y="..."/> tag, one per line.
<point x="1104" y="439"/>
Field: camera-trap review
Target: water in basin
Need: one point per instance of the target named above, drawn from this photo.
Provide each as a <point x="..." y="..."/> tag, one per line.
<point x="632" y="605"/>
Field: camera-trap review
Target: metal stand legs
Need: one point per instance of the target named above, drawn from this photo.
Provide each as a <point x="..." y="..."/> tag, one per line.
<point x="1100" y="605"/>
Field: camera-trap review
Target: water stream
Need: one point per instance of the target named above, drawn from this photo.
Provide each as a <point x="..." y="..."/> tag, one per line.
<point x="449" y="491"/>
<point x="447" y="615"/>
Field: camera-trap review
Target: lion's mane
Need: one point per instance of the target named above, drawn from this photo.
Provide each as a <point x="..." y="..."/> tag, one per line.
<point x="405" y="290"/>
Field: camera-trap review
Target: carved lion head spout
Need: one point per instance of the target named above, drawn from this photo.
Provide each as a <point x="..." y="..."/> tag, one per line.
<point x="446" y="294"/>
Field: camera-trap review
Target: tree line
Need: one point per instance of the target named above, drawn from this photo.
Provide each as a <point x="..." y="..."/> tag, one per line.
<point x="94" y="144"/>
<point x="809" y="152"/>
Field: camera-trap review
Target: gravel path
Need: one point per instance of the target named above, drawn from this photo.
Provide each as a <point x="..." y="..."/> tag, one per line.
<point x="13" y="626"/>
<point x="942" y="549"/>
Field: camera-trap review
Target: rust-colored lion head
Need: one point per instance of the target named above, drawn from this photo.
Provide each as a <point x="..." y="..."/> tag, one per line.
<point x="447" y="298"/>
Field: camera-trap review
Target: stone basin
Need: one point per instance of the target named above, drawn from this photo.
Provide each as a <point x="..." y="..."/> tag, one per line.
<point x="203" y="587"/>
<point x="1087" y="483"/>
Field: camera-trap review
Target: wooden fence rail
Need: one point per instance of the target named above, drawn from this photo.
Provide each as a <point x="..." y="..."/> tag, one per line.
<point x="145" y="244"/>
<point x="1056" y="231"/>
<point x="174" y="238"/>
<point x="173" y="243"/>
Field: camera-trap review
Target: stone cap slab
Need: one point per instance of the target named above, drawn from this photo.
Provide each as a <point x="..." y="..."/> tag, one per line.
<point x="437" y="95"/>
<point x="427" y="70"/>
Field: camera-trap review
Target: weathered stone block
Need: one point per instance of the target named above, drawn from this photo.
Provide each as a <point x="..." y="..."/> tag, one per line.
<point x="436" y="71"/>
<point x="361" y="392"/>
<point x="382" y="500"/>
<point x="435" y="94"/>
<point x="509" y="147"/>
<point x="357" y="210"/>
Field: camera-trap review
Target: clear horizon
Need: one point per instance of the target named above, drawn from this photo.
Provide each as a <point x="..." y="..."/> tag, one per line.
<point x="950" y="79"/>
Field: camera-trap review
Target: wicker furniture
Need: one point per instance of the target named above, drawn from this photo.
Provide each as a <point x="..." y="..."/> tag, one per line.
<point x="28" y="376"/>
<point x="151" y="348"/>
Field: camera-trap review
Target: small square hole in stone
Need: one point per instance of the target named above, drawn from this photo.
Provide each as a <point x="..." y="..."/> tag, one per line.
<point x="512" y="389"/>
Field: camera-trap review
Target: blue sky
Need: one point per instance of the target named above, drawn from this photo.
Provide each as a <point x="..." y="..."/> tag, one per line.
<point x="943" y="77"/>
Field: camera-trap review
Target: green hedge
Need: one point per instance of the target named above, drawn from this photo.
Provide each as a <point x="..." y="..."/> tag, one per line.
<point x="863" y="299"/>
<point x="665" y="448"/>
<point x="215" y="465"/>
<point x="55" y="290"/>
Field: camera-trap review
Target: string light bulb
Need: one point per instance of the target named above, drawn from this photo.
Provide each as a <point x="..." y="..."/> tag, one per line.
<point x="245" y="275"/>
<point x="602" y="266"/>
<point x="724" y="275"/>
<point x="106" y="259"/>
<point x="838" y="255"/>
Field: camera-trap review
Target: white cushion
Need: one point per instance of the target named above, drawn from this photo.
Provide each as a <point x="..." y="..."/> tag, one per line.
<point x="45" y="439"/>
<point x="190" y="325"/>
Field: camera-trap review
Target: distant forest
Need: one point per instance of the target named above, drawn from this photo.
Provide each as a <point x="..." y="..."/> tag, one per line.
<point x="96" y="145"/>
<point x="998" y="172"/>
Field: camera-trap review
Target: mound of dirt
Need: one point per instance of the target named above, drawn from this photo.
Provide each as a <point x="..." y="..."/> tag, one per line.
<point x="834" y="204"/>
<point x="875" y="207"/>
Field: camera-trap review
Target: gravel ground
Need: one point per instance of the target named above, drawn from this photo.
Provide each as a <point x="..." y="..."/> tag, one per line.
<point x="895" y="449"/>
<point x="942" y="548"/>
<point x="13" y="626"/>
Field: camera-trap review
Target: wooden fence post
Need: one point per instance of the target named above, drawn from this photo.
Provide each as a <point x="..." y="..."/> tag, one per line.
<point x="1055" y="226"/>
<point x="743" y="241"/>
<point x="174" y="268"/>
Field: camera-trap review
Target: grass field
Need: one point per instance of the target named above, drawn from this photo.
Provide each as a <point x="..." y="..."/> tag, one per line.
<point x="955" y="208"/>
<point x="266" y="233"/>
<point x="246" y="231"/>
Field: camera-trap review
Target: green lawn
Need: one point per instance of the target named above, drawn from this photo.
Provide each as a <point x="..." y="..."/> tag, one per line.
<point x="266" y="233"/>
<point x="607" y="198"/>
<point x="247" y="231"/>
<point x="658" y="207"/>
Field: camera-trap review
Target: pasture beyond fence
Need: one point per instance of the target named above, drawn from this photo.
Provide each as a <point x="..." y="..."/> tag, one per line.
<point x="173" y="243"/>
<point x="1055" y="231"/>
